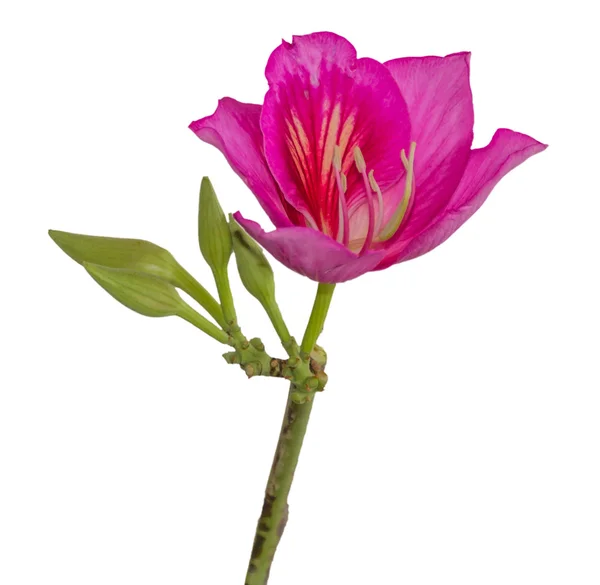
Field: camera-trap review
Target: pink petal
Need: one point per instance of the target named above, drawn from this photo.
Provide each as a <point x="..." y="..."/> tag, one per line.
<point x="440" y="106"/>
<point x="311" y="253"/>
<point x="235" y="130"/>
<point x="320" y="95"/>
<point x="485" y="168"/>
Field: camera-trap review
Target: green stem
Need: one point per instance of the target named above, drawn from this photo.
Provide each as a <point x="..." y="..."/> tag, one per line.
<point x="203" y="324"/>
<point x="276" y="318"/>
<point x="317" y="317"/>
<point x="274" y="513"/>
<point x="193" y="288"/>
<point x="225" y="296"/>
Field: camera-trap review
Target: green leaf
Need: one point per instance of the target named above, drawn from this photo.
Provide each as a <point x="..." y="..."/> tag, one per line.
<point x="144" y="294"/>
<point x="123" y="253"/>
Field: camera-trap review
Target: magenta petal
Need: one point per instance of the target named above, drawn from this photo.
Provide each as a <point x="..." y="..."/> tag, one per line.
<point x="320" y="95"/>
<point x="485" y="168"/>
<point x="234" y="129"/>
<point x="440" y="106"/>
<point x="311" y="253"/>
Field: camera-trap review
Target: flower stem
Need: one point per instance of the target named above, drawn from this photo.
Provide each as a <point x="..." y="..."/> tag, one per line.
<point x="278" y="323"/>
<point x="193" y="288"/>
<point x="274" y="513"/>
<point x="317" y="317"/>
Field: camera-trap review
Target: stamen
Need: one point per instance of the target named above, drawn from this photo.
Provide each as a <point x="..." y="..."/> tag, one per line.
<point x="394" y="224"/>
<point x="337" y="158"/>
<point x="343" y="235"/>
<point x="362" y="169"/>
<point x="377" y="190"/>
<point x="310" y="222"/>
<point x="359" y="159"/>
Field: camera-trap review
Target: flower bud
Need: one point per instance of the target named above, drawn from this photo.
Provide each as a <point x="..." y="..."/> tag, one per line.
<point x="124" y="253"/>
<point x="150" y="296"/>
<point x="135" y="256"/>
<point x="254" y="268"/>
<point x="213" y="231"/>
<point x="141" y="293"/>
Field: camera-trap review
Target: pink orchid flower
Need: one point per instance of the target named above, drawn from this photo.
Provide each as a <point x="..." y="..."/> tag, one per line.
<point x="359" y="164"/>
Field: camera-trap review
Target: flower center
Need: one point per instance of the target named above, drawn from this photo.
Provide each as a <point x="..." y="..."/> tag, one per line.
<point x="376" y="231"/>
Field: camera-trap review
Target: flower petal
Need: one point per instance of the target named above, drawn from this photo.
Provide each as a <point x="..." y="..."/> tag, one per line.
<point x="235" y="130"/>
<point x="321" y="95"/>
<point x="440" y="106"/>
<point x="311" y="253"/>
<point x="485" y="168"/>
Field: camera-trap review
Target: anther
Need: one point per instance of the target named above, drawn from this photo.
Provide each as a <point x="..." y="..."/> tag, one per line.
<point x="359" y="159"/>
<point x="337" y="158"/>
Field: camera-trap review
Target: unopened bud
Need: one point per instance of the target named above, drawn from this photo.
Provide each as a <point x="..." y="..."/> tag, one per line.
<point x="254" y="268"/>
<point x="137" y="256"/>
<point x="213" y="231"/>
<point x="123" y="253"/>
<point x="150" y="296"/>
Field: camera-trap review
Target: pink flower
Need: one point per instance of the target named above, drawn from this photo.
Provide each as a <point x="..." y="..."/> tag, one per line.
<point x="359" y="164"/>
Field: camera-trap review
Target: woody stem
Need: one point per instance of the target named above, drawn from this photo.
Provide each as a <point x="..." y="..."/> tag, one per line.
<point x="274" y="513"/>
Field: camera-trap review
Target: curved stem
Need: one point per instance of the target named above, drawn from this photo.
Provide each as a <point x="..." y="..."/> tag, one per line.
<point x="203" y="324"/>
<point x="317" y="317"/>
<point x="193" y="288"/>
<point x="274" y="513"/>
<point x="276" y="318"/>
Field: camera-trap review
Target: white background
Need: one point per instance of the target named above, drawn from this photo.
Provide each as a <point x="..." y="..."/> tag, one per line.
<point x="458" y="440"/>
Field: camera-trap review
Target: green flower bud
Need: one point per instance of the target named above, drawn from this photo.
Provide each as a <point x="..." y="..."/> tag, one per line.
<point x="150" y="296"/>
<point x="254" y="268"/>
<point x="213" y="231"/>
<point x="135" y="256"/>
<point x="141" y="293"/>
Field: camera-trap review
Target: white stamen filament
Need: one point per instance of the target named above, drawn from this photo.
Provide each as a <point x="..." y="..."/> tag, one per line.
<point x="362" y="169"/>
<point x="394" y="224"/>
<point x="343" y="235"/>
<point x="377" y="190"/>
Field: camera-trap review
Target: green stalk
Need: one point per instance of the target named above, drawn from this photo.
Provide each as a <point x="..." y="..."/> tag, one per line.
<point x="274" y="513"/>
<point x="203" y="324"/>
<point x="276" y="318"/>
<point x="317" y="317"/>
<point x="193" y="288"/>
